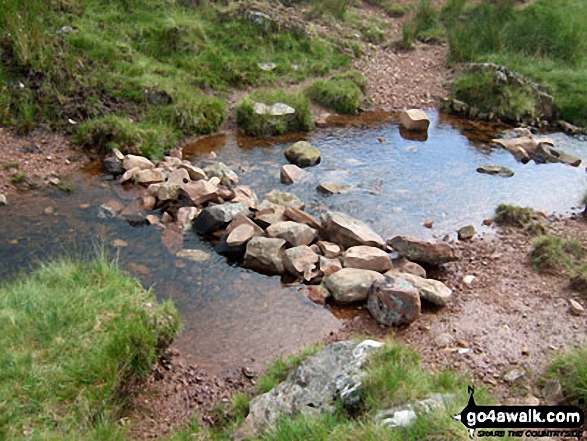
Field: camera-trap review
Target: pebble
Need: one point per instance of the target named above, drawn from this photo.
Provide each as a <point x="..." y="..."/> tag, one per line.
<point x="3" y="200"/>
<point x="119" y="243"/>
<point x="468" y="279"/>
<point x="576" y="308"/>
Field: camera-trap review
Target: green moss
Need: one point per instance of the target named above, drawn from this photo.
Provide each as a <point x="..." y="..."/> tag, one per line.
<point x="254" y="124"/>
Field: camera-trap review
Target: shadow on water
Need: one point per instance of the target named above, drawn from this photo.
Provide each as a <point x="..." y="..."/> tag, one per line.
<point x="233" y="316"/>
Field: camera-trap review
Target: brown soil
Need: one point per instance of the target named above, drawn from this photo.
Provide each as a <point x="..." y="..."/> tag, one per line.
<point x="509" y="317"/>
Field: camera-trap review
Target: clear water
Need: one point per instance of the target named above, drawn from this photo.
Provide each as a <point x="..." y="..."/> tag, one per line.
<point x="232" y="316"/>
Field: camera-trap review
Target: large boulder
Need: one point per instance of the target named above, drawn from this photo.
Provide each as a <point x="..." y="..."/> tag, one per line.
<point x="430" y="290"/>
<point x="301" y="262"/>
<point x="394" y="302"/>
<point x="216" y="217"/>
<point x="316" y="387"/>
<point x="293" y="233"/>
<point x="414" y="120"/>
<point x="424" y="251"/>
<point x="348" y="232"/>
<point x="350" y="285"/>
<point x="302" y="154"/>
<point x="370" y="258"/>
<point x="265" y="255"/>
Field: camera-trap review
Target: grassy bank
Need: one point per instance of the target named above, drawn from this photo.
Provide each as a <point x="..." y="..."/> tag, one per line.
<point x="140" y="75"/>
<point x="544" y="40"/>
<point x="72" y="335"/>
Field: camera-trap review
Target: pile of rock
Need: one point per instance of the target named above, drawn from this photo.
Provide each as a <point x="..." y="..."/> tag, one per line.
<point x="343" y="256"/>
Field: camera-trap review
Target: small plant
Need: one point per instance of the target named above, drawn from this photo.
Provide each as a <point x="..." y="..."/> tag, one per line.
<point x="553" y="254"/>
<point x="17" y="178"/>
<point x="425" y="26"/>
<point x="579" y="279"/>
<point x="521" y="217"/>
<point x="10" y="165"/>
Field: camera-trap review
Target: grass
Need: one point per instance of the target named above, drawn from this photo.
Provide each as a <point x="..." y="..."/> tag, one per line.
<point x="343" y="93"/>
<point x="268" y="125"/>
<point x="571" y="370"/>
<point x="72" y="336"/>
<point x="11" y="165"/>
<point x="424" y="26"/>
<point x="167" y="66"/>
<point x="520" y="217"/>
<point x="556" y="255"/>
<point x="17" y="178"/>
<point x="545" y="41"/>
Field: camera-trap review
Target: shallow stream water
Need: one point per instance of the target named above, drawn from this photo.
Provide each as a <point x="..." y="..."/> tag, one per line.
<point x="232" y="316"/>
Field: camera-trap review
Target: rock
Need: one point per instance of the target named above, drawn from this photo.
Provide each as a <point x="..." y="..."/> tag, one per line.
<point x="119" y="243"/>
<point x="329" y="249"/>
<point x="518" y="147"/>
<point x="109" y="210"/>
<point x="469" y="279"/>
<point x="216" y="217"/>
<point x="243" y="219"/>
<point x="112" y="165"/>
<point x="406" y="415"/>
<point x="547" y="153"/>
<point x="277" y="109"/>
<point x="302" y="154"/>
<point x="348" y="232"/>
<point x="466" y="233"/>
<point x="301" y="261"/>
<point x="148" y="202"/>
<point x="149" y="176"/>
<point x="134" y="161"/>
<point x="429" y="223"/>
<point x="425" y="251"/>
<point x="514" y="375"/>
<point x="267" y="66"/>
<point x="264" y="255"/>
<point x="399" y="418"/>
<point x="576" y="308"/>
<point x="569" y="128"/>
<point x="403" y="265"/>
<point x="185" y="217"/>
<point x="195" y="173"/>
<point x="316" y="293"/>
<point x="495" y="170"/>
<point x="179" y="176"/>
<point x="172" y="239"/>
<point x="414" y="120"/>
<point x="291" y="174"/>
<point x="223" y="172"/>
<point x="369" y="258"/>
<point x="240" y="235"/>
<point x="332" y="188"/>
<point x="321" y="381"/>
<point x="201" y="191"/>
<point x="284" y="199"/>
<point x="129" y="174"/>
<point x="393" y="302"/>
<point x="301" y="217"/>
<point x="3" y="200"/>
<point x="171" y="162"/>
<point x="552" y="392"/>
<point x="167" y="191"/>
<point x="293" y="233"/>
<point x="431" y="290"/>
<point x="270" y="216"/>
<point x="244" y="193"/>
<point x="194" y="255"/>
<point x="329" y="266"/>
<point x="137" y="220"/>
<point x="351" y="284"/>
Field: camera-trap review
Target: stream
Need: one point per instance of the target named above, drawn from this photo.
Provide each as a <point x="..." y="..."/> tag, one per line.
<point x="232" y="316"/>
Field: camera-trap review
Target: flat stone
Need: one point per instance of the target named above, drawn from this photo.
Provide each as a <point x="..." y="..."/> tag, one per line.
<point x="351" y="284"/>
<point x="265" y="255"/>
<point x="301" y="217"/>
<point x="496" y="170"/>
<point x="194" y="255"/>
<point x="149" y="176"/>
<point x="348" y="232"/>
<point x="329" y="249"/>
<point x="134" y="161"/>
<point x="365" y="257"/>
<point x="332" y="188"/>
<point x="291" y="174"/>
<point x="431" y="290"/>
<point x="424" y="251"/>
<point x="301" y="261"/>
<point x="293" y="233"/>
<point x="240" y="235"/>
<point x="414" y="120"/>
<point x="393" y="302"/>
<point x="303" y="154"/>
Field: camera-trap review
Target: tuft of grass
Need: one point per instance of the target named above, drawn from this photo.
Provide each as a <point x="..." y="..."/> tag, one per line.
<point x="424" y="26"/>
<point x="553" y="254"/>
<point x="11" y="165"/>
<point x="520" y="217"/>
<point x="17" y="178"/>
<point x="571" y="370"/>
<point x="579" y="278"/>
<point x="341" y="94"/>
<point x="73" y="335"/>
<point x="268" y="125"/>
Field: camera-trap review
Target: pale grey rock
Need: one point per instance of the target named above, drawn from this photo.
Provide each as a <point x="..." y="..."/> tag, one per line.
<point x="350" y="285"/>
<point x="293" y="233"/>
<point x="134" y="161"/>
<point x="264" y="255"/>
<point x="301" y="261"/>
<point x="348" y="232"/>
<point x="369" y="258"/>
